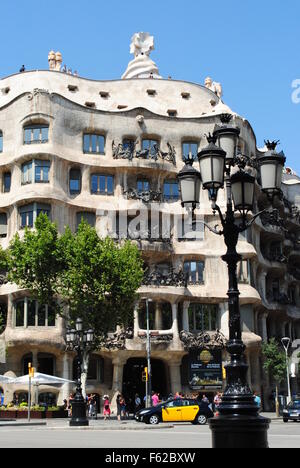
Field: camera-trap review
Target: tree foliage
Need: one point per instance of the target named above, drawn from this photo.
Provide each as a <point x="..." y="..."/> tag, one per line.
<point x="96" y="278"/>
<point x="275" y="360"/>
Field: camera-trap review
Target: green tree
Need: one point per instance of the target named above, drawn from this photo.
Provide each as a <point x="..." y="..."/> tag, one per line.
<point x="275" y="364"/>
<point x="96" y="278"/>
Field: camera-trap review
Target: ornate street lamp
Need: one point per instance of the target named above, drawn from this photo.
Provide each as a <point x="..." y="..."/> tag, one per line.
<point x="79" y="340"/>
<point x="190" y="184"/>
<point x="239" y="424"/>
<point x="227" y="137"/>
<point x="286" y="342"/>
<point x="271" y="166"/>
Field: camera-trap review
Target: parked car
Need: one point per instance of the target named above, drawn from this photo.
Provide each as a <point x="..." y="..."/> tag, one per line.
<point x="292" y="412"/>
<point x="176" y="410"/>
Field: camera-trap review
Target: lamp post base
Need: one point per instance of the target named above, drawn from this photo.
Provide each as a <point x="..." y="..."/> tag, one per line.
<point x="79" y="414"/>
<point x="241" y="431"/>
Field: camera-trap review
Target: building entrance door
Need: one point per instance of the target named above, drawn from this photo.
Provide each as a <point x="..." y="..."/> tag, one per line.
<point x="133" y="383"/>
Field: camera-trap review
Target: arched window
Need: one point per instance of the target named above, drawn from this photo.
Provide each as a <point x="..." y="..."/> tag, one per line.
<point x="34" y="134"/>
<point x="93" y="143"/>
<point x="87" y="216"/>
<point x="48" y="399"/>
<point x="203" y="317"/>
<point x="194" y="271"/>
<point x="6" y="182"/>
<point x="95" y="371"/>
<point x="102" y="184"/>
<point x="46" y="364"/>
<point x="171" y="190"/>
<point x="189" y="150"/>
<point x="28" y="313"/>
<point x="151" y="146"/>
<point x="35" y="171"/>
<point x="3" y="225"/>
<point x="75" y="181"/>
<point x="29" y="213"/>
<point x="27" y="359"/>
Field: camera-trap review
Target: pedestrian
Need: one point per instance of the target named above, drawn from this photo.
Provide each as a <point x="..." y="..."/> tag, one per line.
<point x="22" y="69"/>
<point x="92" y="405"/>
<point x="257" y="400"/>
<point x="106" y="410"/>
<point x="217" y="401"/>
<point x="123" y="407"/>
<point x="205" y="399"/>
<point x="137" y="403"/>
<point x="155" y="399"/>
<point x="71" y="398"/>
<point x="119" y="410"/>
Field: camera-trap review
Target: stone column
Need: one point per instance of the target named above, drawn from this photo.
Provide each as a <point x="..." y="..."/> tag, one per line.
<point x="85" y="183"/>
<point x="263" y="319"/>
<point x="136" y="321"/>
<point x="117" y="383"/>
<point x="10" y="311"/>
<point x="256" y="371"/>
<point x="175" y="327"/>
<point x="158" y="317"/>
<point x="35" y="389"/>
<point x="175" y="375"/>
<point x="185" y="316"/>
<point x="224" y="318"/>
<point x="66" y="374"/>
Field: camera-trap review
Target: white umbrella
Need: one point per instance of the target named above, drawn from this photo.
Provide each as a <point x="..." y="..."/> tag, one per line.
<point x="40" y="379"/>
<point x="6" y="380"/>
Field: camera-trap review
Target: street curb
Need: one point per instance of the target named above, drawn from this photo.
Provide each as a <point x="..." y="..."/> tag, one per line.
<point x="22" y="424"/>
<point x="110" y="428"/>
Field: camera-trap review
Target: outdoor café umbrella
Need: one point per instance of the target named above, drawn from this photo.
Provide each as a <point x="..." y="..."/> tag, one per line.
<point x="6" y="380"/>
<point x="40" y="379"/>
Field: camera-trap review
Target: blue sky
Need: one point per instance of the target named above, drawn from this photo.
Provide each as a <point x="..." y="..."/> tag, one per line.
<point x="251" y="47"/>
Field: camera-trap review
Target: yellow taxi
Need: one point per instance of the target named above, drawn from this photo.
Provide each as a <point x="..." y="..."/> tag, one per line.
<point x="176" y="410"/>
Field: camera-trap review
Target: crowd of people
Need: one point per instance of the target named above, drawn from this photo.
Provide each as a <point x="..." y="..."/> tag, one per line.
<point x="127" y="407"/>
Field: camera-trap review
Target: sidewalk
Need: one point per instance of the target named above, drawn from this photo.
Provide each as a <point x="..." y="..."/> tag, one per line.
<point x="271" y="416"/>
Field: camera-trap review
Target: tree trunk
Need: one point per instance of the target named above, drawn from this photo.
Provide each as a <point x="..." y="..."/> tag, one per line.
<point x="277" y="402"/>
<point x="84" y="371"/>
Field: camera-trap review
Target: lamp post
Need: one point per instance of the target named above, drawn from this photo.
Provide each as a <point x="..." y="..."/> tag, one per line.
<point x="286" y="344"/>
<point x="239" y="424"/>
<point x="79" y="340"/>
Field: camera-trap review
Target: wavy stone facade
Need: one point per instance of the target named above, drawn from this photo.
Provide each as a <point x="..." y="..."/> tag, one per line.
<point x="47" y="165"/>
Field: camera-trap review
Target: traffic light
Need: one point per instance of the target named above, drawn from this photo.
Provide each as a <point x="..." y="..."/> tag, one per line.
<point x="145" y="376"/>
<point x="224" y="373"/>
<point x="31" y="371"/>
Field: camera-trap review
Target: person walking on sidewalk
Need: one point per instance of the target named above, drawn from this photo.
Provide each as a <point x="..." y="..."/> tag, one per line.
<point x="106" y="410"/>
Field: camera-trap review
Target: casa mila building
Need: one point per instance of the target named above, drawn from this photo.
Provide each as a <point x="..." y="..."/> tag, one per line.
<point x="109" y="152"/>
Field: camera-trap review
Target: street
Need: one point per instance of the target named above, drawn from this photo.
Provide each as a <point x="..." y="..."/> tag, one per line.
<point x="181" y="436"/>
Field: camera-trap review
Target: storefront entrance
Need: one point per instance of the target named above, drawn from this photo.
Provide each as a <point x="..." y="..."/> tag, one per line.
<point x="133" y="383"/>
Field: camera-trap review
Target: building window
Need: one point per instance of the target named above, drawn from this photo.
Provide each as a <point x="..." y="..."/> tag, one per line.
<point x="29" y="213"/>
<point x="36" y="134"/>
<point x="87" y="216"/>
<point x="171" y="190"/>
<point x="6" y="182"/>
<point x="151" y="146"/>
<point x="244" y="272"/>
<point x="94" y="144"/>
<point x="1" y="142"/>
<point x="3" y="225"/>
<point x="28" y="313"/>
<point x="203" y="317"/>
<point x="75" y="181"/>
<point x="35" y="171"/>
<point x="143" y="185"/>
<point x="194" y="271"/>
<point x="102" y="184"/>
<point x="190" y="150"/>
